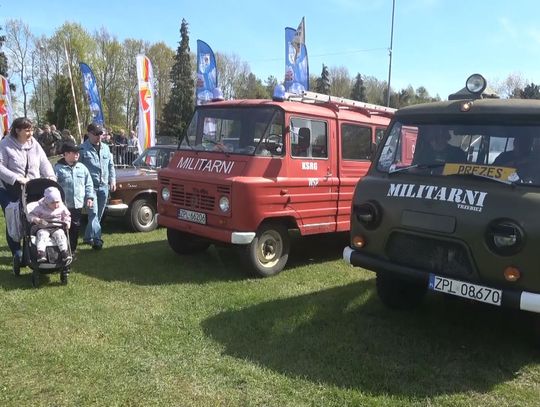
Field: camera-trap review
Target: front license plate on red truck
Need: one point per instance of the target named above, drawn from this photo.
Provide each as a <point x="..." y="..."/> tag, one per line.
<point x="192" y="216"/>
<point x="465" y="290"/>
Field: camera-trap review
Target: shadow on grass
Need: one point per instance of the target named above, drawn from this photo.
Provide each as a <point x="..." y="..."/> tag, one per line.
<point x="345" y="337"/>
<point x="154" y="263"/>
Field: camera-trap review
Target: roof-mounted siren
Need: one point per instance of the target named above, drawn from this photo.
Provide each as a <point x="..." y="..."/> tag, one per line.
<point x="476" y="84"/>
<point x="217" y="94"/>
<point x="279" y="93"/>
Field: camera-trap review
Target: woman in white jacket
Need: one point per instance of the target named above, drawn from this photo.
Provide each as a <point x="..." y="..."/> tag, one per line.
<point x="21" y="159"/>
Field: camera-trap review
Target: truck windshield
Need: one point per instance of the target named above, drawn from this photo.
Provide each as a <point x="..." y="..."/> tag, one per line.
<point x="505" y="152"/>
<point x="236" y="130"/>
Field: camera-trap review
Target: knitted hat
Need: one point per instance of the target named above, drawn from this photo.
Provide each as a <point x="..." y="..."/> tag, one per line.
<point x="52" y="194"/>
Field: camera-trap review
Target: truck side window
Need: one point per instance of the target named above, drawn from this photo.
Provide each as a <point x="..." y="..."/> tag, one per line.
<point x="309" y="138"/>
<point x="355" y="142"/>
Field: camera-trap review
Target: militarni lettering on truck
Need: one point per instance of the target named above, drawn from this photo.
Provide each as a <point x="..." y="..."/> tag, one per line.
<point x="464" y="198"/>
<point x="205" y="164"/>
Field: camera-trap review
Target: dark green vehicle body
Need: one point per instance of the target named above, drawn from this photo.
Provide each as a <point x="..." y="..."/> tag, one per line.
<point x="471" y="224"/>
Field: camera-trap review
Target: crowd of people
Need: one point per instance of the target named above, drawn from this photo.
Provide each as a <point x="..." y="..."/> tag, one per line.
<point x="86" y="174"/>
<point x="125" y="148"/>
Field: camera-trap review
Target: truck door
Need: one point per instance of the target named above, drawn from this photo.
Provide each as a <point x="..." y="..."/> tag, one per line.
<point x="355" y="150"/>
<point x="311" y="186"/>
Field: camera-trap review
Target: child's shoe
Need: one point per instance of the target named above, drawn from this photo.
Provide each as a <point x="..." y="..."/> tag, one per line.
<point x="41" y="257"/>
<point x="65" y="256"/>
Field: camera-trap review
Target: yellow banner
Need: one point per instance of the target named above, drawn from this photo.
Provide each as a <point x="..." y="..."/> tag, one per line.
<point x="489" y="171"/>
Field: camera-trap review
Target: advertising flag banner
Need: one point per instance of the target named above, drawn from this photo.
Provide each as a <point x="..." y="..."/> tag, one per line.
<point x="6" y="109"/>
<point x="206" y="73"/>
<point x="296" y="60"/>
<point x="92" y="93"/>
<point x="147" y="116"/>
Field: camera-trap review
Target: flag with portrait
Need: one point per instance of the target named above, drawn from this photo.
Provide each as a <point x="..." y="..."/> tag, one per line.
<point x="296" y="59"/>
<point x="207" y="79"/>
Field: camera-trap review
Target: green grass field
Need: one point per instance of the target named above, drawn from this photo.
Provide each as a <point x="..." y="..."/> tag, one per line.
<point x="138" y="325"/>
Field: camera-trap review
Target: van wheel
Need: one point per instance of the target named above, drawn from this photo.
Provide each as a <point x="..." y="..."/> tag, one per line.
<point x="186" y="243"/>
<point x="397" y="293"/>
<point x="268" y="252"/>
<point x="142" y="215"/>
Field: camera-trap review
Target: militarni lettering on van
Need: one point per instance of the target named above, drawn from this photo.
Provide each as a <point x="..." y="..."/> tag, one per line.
<point x="205" y="164"/>
<point x="464" y="198"/>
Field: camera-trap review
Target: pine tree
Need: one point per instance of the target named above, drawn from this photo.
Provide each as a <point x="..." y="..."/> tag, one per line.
<point x="323" y="82"/>
<point x="359" y="90"/>
<point x="63" y="114"/>
<point x="531" y="91"/>
<point x="180" y="106"/>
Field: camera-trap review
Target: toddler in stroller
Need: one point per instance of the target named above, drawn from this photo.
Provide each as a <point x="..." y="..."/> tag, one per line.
<point x="50" y="216"/>
<point x="46" y="223"/>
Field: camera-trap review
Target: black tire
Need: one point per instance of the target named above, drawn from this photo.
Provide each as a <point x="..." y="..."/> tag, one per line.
<point x="268" y="252"/>
<point x="398" y="293"/>
<point x="35" y="278"/>
<point x="186" y="243"/>
<point x="142" y="215"/>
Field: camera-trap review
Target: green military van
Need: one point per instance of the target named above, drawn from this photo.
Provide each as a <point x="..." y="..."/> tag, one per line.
<point x="451" y="203"/>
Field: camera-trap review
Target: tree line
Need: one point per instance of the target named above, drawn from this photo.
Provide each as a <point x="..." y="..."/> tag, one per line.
<point x="39" y="68"/>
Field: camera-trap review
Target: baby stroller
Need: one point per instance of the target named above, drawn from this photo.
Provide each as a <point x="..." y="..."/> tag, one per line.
<point x="32" y="192"/>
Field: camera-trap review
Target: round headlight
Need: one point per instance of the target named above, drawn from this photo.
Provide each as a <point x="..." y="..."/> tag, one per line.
<point x="165" y="194"/>
<point x="476" y="83"/>
<point x="505" y="237"/>
<point x="368" y="214"/>
<point x="224" y="204"/>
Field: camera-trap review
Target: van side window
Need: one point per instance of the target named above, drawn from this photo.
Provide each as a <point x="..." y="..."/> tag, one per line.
<point x="309" y="138"/>
<point x="355" y="142"/>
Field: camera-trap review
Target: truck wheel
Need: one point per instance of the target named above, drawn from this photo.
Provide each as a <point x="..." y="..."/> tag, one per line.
<point x="268" y="252"/>
<point x="186" y="243"/>
<point x="398" y="293"/>
<point x="142" y="215"/>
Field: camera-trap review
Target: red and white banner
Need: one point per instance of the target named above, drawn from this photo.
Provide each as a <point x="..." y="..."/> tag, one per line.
<point x="147" y="116"/>
<point x="6" y="109"/>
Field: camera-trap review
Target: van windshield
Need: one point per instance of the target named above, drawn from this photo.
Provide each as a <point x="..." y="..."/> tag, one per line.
<point x="505" y="152"/>
<point x="236" y="130"/>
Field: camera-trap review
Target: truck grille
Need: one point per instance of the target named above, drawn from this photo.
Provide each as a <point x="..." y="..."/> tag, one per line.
<point x="195" y="198"/>
<point x="430" y="254"/>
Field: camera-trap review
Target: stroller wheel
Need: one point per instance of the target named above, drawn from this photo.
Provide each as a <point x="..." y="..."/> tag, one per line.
<point x="16" y="265"/>
<point x="35" y="278"/>
<point x="64" y="277"/>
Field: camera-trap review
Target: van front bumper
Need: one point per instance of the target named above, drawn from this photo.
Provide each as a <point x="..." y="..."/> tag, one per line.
<point x="517" y="299"/>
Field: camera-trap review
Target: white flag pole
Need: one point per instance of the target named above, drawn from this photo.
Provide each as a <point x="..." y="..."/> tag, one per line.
<point x="73" y="93"/>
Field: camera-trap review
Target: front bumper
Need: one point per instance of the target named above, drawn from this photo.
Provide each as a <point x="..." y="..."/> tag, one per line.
<point x="517" y="299"/>
<point x="206" y="231"/>
<point x="117" y="209"/>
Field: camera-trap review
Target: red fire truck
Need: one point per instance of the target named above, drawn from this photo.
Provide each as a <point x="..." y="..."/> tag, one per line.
<point x="248" y="171"/>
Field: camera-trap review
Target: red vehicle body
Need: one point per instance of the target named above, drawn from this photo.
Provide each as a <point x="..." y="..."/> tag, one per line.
<point x="247" y="171"/>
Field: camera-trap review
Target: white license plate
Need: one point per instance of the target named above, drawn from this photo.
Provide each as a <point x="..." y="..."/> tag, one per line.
<point x="465" y="290"/>
<point x="192" y="216"/>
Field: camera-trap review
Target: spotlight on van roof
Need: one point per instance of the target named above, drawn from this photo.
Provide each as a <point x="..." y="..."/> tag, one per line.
<point x="476" y="84"/>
